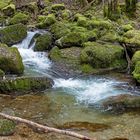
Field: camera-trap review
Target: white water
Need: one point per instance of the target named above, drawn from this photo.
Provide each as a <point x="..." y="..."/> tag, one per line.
<point x="90" y="90"/>
<point x="35" y="61"/>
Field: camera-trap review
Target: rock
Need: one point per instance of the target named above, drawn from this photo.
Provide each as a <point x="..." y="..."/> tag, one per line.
<point x="82" y="21"/>
<point x="127" y="27"/>
<point x="72" y="39"/>
<point x="43" y="42"/>
<point x="66" y="14"/>
<point x="7" y="127"/>
<point x="46" y="22"/>
<point x="58" y="7"/>
<point x="66" y="61"/>
<point x="2" y="73"/>
<point x="22" y="85"/>
<point x="121" y="103"/>
<point x="136" y="66"/>
<point x="136" y="72"/>
<point x="60" y="29"/>
<point x="19" y="18"/>
<point x="9" y="10"/>
<point x="84" y="126"/>
<point x="13" y="34"/>
<point x="10" y="60"/>
<point x="132" y="39"/>
<point x="103" y="55"/>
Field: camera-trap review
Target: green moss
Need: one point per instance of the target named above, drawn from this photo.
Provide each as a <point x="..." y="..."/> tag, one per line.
<point x="24" y="85"/>
<point x="132" y="37"/>
<point x="91" y="24"/>
<point x="13" y="34"/>
<point x="10" y="60"/>
<point x="66" y="14"/>
<point x="9" y="10"/>
<point x="136" y="72"/>
<point x="72" y="39"/>
<point x="41" y="18"/>
<point x="102" y="55"/>
<point x="19" y="18"/>
<point x="43" y="42"/>
<point x="7" y="127"/>
<point x="135" y="58"/>
<point x="127" y="27"/>
<point x="49" y="20"/>
<point x="110" y="36"/>
<point x="58" y="7"/>
<point x="2" y="73"/>
<point x="55" y="53"/>
<point x="60" y="29"/>
<point x="86" y="68"/>
<point x="82" y="21"/>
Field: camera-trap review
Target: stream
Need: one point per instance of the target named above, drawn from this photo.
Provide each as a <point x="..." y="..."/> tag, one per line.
<point x="73" y="101"/>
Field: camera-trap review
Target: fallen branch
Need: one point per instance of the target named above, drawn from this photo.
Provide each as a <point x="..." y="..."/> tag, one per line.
<point x="45" y="129"/>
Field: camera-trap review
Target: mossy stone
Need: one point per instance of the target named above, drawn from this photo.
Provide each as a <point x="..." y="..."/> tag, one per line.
<point x="55" y="53"/>
<point x="136" y="72"/>
<point x="43" y="42"/>
<point x="7" y="127"/>
<point x="127" y="27"/>
<point x="19" y="18"/>
<point x="103" y="55"/>
<point x="9" y="10"/>
<point x="46" y="22"/>
<point x="135" y="58"/>
<point x="2" y="73"/>
<point x="57" y="7"/>
<point x="13" y="34"/>
<point x="10" y="60"/>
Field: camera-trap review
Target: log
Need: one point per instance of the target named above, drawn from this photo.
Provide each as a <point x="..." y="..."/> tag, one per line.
<point x="45" y="129"/>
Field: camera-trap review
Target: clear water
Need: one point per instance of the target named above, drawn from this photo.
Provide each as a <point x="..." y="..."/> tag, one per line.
<point x="69" y="99"/>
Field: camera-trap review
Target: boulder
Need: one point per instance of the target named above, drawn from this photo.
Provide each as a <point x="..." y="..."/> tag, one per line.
<point x="57" y="7"/>
<point x="46" y="21"/>
<point x="19" y="18"/>
<point x="10" y="60"/>
<point x="22" y="85"/>
<point x="121" y="103"/>
<point x="66" y="61"/>
<point x="136" y="66"/>
<point x="13" y="34"/>
<point x="103" y="55"/>
<point x="43" y="42"/>
<point x="9" y="10"/>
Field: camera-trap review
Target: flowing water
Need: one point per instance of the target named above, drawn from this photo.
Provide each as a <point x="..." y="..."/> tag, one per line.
<point x="70" y="100"/>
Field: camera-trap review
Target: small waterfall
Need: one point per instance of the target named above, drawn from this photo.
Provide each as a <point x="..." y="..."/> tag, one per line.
<point x="34" y="62"/>
<point x="88" y="91"/>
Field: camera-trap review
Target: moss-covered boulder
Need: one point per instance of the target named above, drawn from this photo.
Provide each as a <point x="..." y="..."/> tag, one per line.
<point x="13" y="34"/>
<point x="4" y="3"/>
<point x="103" y="55"/>
<point x="24" y="85"/>
<point x="7" y="127"/>
<point x="19" y="18"/>
<point x="136" y="72"/>
<point x="66" y="61"/>
<point x="47" y="21"/>
<point x="9" y="10"/>
<point x="135" y="58"/>
<point x="60" y="29"/>
<point x="43" y="42"/>
<point x="57" y="7"/>
<point x="72" y="39"/>
<point x="2" y="73"/>
<point x="127" y="27"/>
<point x="10" y="60"/>
<point x="132" y="39"/>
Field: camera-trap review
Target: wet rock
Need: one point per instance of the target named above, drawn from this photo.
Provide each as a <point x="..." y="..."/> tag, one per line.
<point x="121" y="103"/>
<point x="9" y="10"/>
<point x="10" y="60"/>
<point x="7" y="127"/>
<point x="103" y="55"/>
<point x="13" y="34"/>
<point x="84" y="126"/>
<point x="24" y="85"/>
<point x="43" y="42"/>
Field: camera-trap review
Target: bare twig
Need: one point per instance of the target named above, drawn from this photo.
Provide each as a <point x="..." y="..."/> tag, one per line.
<point x="46" y="129"/>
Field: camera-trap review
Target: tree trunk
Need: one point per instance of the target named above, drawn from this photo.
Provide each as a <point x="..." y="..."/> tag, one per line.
<point x="46" y="129"/>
